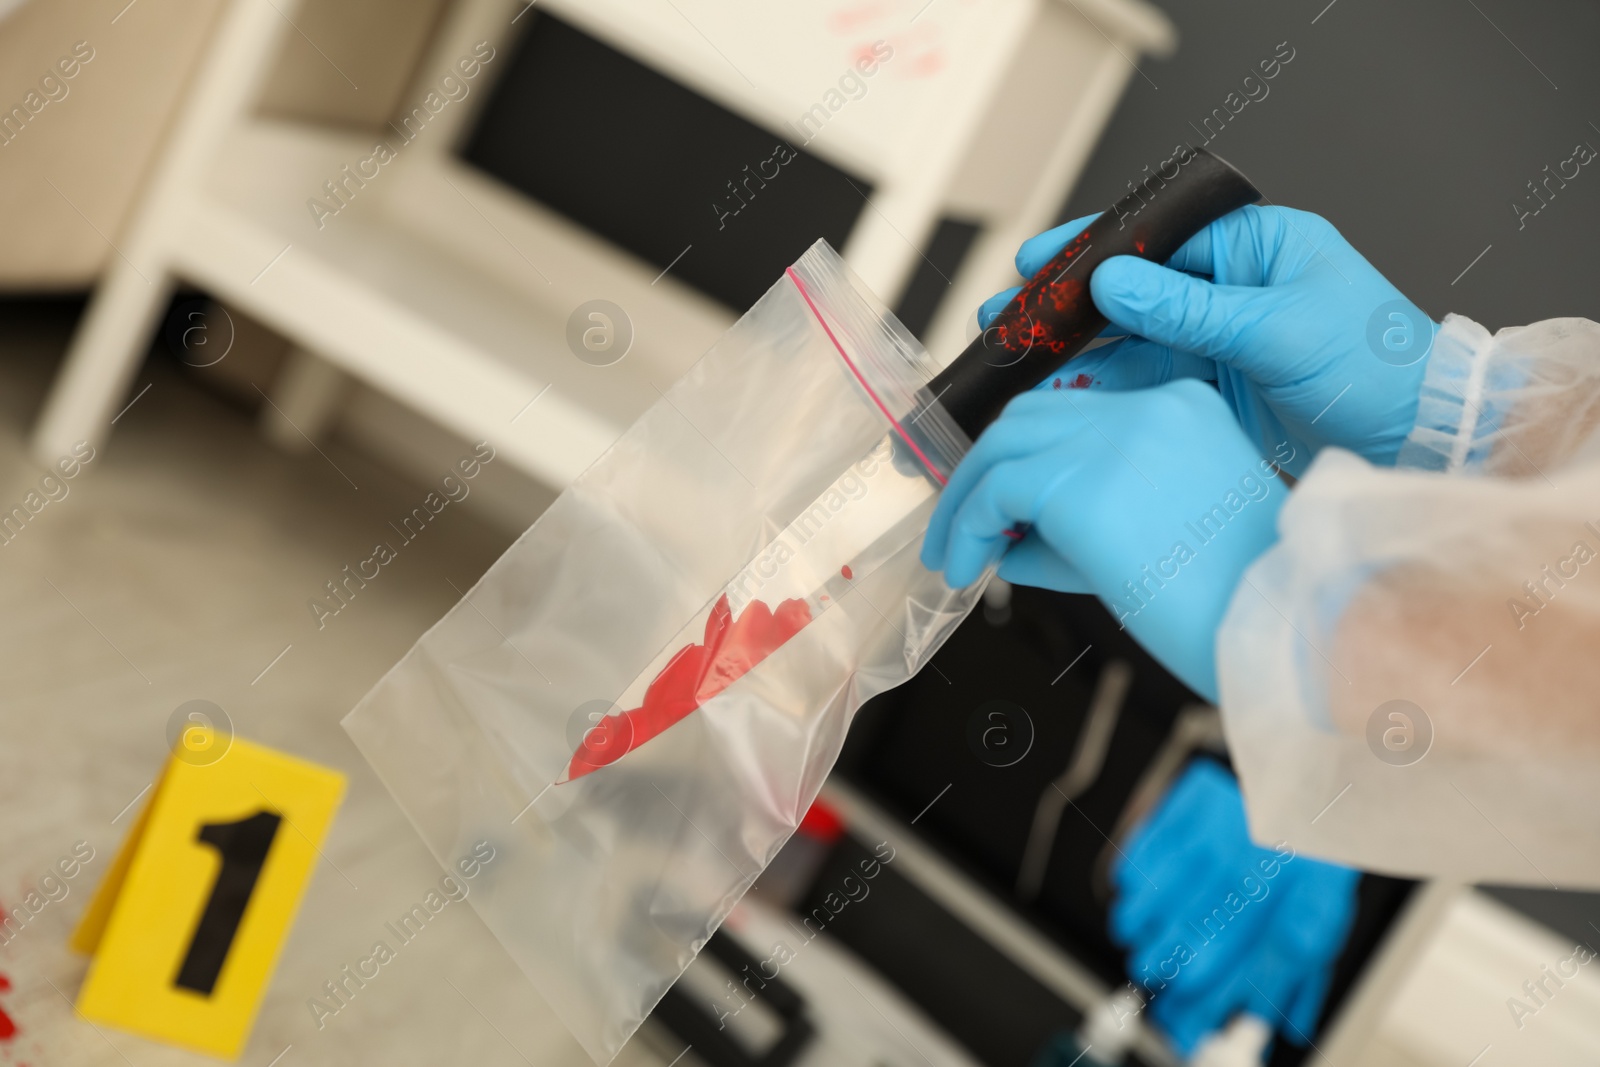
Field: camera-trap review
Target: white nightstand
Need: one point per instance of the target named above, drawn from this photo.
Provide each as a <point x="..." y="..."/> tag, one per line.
<point x="445" y="290"/>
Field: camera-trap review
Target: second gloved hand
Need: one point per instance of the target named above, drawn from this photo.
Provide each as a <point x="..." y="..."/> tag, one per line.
<point x="1154" y="500"/>
<point x="1216" y="925"/>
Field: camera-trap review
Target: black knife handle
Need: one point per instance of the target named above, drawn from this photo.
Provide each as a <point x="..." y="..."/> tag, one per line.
<point x="1053" y="318"/>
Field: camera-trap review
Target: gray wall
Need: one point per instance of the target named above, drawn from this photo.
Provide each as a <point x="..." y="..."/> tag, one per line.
<point x="1412" y="125"/>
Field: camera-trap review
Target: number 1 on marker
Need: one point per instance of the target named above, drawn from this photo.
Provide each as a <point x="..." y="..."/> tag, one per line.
<point x="243" y="846"/>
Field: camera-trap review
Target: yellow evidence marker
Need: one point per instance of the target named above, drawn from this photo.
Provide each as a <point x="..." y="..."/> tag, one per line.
<point x="186" y="928"/>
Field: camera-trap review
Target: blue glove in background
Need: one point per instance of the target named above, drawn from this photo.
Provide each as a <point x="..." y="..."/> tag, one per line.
<point x="1307" y="342"/>
<point x="1151" y="499"/>
<point x="1216" y="925"/>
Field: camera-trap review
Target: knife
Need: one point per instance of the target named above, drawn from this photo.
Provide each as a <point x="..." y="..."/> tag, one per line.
<point x="883" y="501"/>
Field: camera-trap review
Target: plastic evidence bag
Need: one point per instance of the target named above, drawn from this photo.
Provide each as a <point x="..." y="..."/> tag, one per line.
<point x="639" y="700"/>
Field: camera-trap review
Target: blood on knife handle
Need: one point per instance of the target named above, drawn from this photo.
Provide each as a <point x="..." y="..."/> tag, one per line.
<point x="1053" y="319"/>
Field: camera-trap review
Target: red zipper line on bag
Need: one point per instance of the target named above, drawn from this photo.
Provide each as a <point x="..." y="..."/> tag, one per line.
<point x="848" y="362"/>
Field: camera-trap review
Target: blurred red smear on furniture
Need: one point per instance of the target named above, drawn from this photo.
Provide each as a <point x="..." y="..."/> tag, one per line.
<point x="693" y="676"/>
<point x="822" y="823"/>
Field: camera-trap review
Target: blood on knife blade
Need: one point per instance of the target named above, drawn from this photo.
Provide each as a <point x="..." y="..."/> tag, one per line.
<point x="695" y="674"/>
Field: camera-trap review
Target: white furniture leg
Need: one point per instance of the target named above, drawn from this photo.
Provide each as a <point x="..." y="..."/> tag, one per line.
<point x="305" y="402"/>
<point x="107" y="351"/>
<point x="117" y="328"/>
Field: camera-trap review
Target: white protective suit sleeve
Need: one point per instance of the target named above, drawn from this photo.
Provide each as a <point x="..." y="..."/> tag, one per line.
<point x="1465" y="585"/>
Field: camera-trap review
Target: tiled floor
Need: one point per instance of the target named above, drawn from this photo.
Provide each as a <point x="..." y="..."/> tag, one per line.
<point x="179" y="566"/>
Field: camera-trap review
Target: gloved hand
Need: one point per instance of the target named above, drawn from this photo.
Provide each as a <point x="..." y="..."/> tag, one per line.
<point x="1215" y="925"/>
<point x="1151" y="499"/>
<point x="1307" y="342"/>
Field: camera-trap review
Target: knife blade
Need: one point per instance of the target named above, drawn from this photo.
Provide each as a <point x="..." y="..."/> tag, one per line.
<point x="878" y="505"/>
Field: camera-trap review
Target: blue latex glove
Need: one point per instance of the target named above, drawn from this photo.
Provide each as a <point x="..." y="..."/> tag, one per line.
<point x="1151" y="499"/>
<point x="1304" y="338"/>
<point x="1215" y="925"/>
